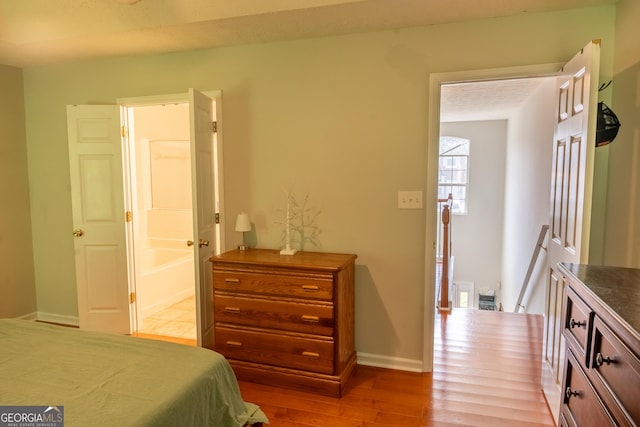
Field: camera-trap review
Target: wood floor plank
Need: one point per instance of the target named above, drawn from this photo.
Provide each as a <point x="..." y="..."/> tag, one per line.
<point x="486" y="373"/>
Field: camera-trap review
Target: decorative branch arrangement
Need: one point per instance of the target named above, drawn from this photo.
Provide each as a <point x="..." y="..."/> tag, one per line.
<point x="299" y="225"/>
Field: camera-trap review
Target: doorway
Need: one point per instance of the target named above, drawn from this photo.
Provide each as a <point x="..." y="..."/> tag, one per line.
<point x="437" y="82"/>
<point x="102" y="207"/>
<point x="174" y="181"/>
<point x="160" y="171"/>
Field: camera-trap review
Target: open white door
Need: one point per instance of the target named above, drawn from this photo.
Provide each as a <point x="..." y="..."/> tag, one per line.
<point x="204" y="209"/>
<point x="97" y="195"/>
<point x="571" y="188"/>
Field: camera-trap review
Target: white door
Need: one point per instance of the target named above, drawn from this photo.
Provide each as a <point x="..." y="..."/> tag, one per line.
<point x="204" y="209"/>
<point x="97" y="196"/>
<point x="571" y="188"/>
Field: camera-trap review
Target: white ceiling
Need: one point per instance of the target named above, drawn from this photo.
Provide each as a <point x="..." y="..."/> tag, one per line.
<point x="485" y="100"/>
<point x="34" y="32"/>
<point x="39" y="32"/>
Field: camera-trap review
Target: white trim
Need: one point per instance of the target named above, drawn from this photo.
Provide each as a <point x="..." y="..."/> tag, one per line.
<point x="30" y="316"/>
<point x="436" y="80"/>
<point x="633" y="203"/>
<point x="178" y="98"/>
<point x="397" y="363"/>
<point x="181" y="98"/>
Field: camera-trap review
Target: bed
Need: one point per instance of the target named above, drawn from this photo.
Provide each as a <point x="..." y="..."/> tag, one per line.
<point x="113" y="380"/>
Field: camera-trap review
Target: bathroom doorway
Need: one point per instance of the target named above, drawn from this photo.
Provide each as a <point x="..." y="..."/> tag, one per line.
<point x="160" y="159"/>
<point x="104" y="177"/>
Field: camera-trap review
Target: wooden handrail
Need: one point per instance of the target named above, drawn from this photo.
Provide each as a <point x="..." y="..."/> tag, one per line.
<point x="444" y="276"/>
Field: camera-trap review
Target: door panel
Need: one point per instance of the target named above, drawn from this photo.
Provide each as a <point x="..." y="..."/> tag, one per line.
<point x="574" y="189"/>
<point x="570" y="199"/>
<point x="557" y="187"/>
<point x="204" y="209"/>
<point x="95" y="163"/>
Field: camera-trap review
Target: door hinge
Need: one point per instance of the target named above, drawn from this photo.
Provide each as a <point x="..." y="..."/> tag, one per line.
<point x="217" y="217"/>
<point x="128" y="216"/>
<point x="214" y="127"/>
<point x="132" y="297"/>
<point x="123" y="131"/>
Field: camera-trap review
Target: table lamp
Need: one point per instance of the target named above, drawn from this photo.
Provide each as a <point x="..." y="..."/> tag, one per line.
<point x="242" y="225"/>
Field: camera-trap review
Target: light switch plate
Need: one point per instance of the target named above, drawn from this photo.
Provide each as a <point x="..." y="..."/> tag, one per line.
<point x="410" y="199"/>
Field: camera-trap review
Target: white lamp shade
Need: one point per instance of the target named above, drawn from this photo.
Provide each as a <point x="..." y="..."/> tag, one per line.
<point x="242" y="222"/>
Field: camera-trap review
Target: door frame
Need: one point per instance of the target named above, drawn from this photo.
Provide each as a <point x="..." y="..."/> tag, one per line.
<point x="436" y="80"/>
<point x="181" y="98"/>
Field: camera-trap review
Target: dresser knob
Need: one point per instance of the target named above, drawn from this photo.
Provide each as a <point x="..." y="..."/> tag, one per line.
<point x="573" y="323"/>
<point x="568" y="393"/>
<point x="601" y="360"/>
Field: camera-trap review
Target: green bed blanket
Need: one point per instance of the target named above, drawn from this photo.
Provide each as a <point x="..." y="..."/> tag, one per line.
<point x="114" y="380"/>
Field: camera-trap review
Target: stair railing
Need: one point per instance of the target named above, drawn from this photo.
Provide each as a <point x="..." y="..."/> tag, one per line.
<point x="446" y="252"/>
<point x="532" y="264"/>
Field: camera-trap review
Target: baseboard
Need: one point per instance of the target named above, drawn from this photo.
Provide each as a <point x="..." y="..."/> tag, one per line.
<point x="30" y="316"/>
<point x="388" y="362"/>
<point x="57" y="318"/>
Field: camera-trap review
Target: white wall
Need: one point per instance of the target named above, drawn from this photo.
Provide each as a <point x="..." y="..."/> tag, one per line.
<point x="477" y="236"/>
<point x="526" y="207"/>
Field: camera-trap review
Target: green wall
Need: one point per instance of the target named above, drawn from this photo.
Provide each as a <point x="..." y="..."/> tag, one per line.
<point x="622" y="244"/>
<point x="342" y="119"/>
<point x="17" y="283"/>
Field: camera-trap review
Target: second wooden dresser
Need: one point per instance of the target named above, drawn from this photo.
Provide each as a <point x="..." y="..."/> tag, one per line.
<point x="601" y="324"/>
<point x="286" y="320"/>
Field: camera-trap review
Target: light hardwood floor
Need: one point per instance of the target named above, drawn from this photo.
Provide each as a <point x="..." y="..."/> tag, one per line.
<point x="486" y="373"/>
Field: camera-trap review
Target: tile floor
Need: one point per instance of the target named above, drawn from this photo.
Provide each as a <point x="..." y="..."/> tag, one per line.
<point x="178" y="320"/>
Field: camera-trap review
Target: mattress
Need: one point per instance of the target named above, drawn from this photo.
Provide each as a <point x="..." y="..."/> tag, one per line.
<point x="113" y="380"/>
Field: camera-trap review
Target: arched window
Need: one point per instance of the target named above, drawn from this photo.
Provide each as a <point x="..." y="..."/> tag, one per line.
<point x="453" y="172"/>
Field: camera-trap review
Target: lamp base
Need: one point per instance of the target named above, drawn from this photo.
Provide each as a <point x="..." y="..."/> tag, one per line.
<point x="288" y="251"/>
<point x="243" y="247"/>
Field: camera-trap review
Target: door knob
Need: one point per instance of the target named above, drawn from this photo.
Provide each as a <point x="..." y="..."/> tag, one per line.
<point x="202" y="243"/>
<point x="78" y="232"/>
<point x="189" y="242"/>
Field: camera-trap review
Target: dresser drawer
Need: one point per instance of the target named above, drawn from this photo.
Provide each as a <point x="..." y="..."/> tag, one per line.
<point x="287" y="351"/>
<point x="317" y="287"/>
<point x="618" y="369"/>
<point x="577" y="323"/>
<point x="293" y="316"/>
<point x="581" y="405"/>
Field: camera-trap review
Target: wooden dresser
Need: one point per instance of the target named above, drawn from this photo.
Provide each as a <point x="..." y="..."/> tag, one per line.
<point x="286" y="320"/>
<point x="601" y="325"/>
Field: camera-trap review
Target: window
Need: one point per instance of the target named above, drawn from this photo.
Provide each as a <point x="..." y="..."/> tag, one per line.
<point x="464" y="294"/>
<point x="453" y="172"/>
